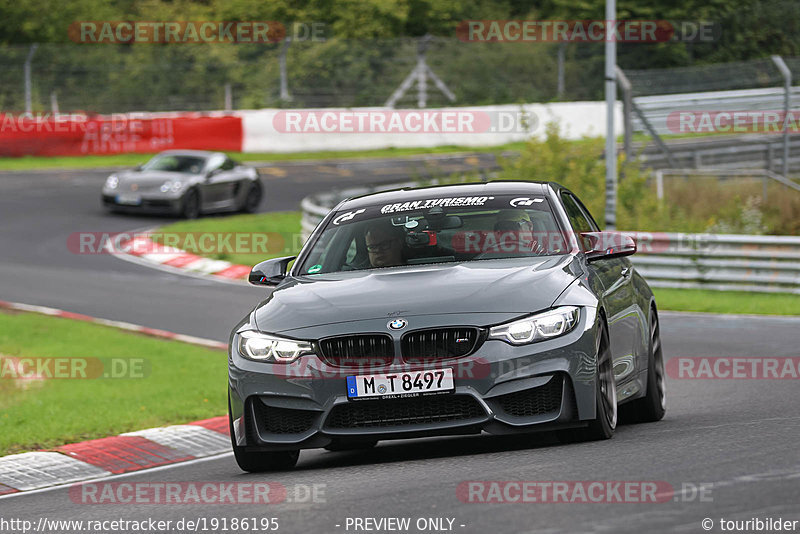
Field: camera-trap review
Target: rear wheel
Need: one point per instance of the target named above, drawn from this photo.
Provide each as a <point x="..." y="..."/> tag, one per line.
<point x="259" y="462"/>
<point x="191" y="205"/>
<point x="653" y="405"/>
<point x="253" y="198"/>
<point x="605" y="422"/>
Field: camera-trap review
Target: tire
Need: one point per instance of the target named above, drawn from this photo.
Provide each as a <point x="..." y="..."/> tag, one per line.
<point x="337" y="446"/>
<point x="260" y="462"/>
<point x="253" y="199"/>
<point x="191" y="205"/>
<point x="605" y="422"/>
<point x="653" y="405"/>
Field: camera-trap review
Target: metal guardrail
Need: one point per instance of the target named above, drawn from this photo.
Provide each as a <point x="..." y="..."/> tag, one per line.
<point x="658" y="108"/>
<point x="698" y="261"/>
<point x="751" y="151"/>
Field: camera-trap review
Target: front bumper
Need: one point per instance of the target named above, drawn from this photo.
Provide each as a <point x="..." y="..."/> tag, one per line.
<point x="148" y="204"/>
<point x="499" y="389"/>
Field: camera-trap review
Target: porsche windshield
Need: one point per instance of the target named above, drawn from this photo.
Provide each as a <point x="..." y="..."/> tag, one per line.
<point x="436" y="230"/>
<point x="175" y="163"/>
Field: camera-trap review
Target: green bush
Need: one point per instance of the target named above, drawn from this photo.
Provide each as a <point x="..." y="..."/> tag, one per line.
<point x="694" y="204"/>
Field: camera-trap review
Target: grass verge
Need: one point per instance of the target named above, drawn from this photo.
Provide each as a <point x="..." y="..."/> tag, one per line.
<point x="738" y="302"/>
<point x="165" y="382"/>
<point x="279" y="231"/>
<point x="26" y="163"/>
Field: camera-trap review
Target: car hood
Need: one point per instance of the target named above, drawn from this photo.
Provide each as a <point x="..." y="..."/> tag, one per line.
<point x="511" y="287"/>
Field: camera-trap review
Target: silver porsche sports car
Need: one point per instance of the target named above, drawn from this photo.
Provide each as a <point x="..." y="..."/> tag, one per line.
<point x="185" y="182"/>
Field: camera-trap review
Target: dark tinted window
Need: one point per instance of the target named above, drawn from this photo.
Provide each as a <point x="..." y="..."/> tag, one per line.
<point x="577" y="219"/>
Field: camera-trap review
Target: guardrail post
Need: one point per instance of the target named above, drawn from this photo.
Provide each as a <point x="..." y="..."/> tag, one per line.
<point x="787" y="88"/>
<point x="660" y="185"/>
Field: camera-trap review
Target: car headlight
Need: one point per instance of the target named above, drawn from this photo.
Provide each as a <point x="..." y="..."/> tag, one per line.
<point x="546" y="325"/>
<point x="265" y="348"/>
<point x="169" y="185"/>
<point x="112" y="182"/>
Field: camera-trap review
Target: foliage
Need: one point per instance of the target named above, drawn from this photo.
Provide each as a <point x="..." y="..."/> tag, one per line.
<point x="695" y="204"/>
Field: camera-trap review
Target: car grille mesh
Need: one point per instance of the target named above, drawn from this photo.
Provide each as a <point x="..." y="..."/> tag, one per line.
<point x="535" y="401"/>
<point x="283" y="420"/>
<point x="403" y="412"/>
<point x="439" y="343"/>
<point x="363" y="350"/>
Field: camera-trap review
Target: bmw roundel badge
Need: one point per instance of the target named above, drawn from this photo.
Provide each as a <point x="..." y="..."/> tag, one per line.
<point x="397" y="324"/>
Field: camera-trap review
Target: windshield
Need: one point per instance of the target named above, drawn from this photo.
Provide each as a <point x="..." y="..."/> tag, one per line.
<point x="173" y="163"/>
<point x="436" y="230"/>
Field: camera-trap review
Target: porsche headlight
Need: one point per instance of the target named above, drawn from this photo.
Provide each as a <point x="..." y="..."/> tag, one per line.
<point x="169" y="185"/>
<point x="265" y="348"/>
<point x="112" y="182"/>
<point x="545" y="325"/>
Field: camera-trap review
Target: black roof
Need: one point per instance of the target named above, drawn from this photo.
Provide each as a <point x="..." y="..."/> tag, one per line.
<point x="474" y="189"/>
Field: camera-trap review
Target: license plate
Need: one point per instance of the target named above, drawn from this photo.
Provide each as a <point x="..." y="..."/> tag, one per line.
<point x="133" y="200"/>
<point x="405" y="384"/>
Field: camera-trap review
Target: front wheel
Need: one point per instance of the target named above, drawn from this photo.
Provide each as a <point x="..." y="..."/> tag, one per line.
<point x="191" y="205"/>
<point x="653" y="405"/>
<point x="259" y="462"/>
<point x="605" y="422"/>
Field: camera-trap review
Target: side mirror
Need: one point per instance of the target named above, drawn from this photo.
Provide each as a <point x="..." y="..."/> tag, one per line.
<point x="270" y="272"/>
<point x="603" y="245"/>
<point x="138" y="168"/>
<point x="213" y="172"/>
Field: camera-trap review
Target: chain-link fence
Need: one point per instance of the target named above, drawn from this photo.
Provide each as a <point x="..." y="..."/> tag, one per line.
<point x="151" y="77"/>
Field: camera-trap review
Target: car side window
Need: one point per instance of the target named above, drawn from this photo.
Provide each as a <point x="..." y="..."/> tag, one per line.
<point x="228" y="164"/>
<point x="579" y="221"/>
<point x="215" y="162"/>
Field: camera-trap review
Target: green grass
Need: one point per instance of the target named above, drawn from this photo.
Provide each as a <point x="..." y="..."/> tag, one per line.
<point x="706" y="300"/>
<point x="282" y="230"/>
<point x="129" y="160"/>
<point x="181" y="383"/>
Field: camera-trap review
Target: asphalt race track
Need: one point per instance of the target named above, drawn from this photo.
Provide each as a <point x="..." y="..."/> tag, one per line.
<point x="736" y="438"/>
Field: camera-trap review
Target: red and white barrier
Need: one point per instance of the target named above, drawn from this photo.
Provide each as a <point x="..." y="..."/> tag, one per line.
<point x="81" y="135"/>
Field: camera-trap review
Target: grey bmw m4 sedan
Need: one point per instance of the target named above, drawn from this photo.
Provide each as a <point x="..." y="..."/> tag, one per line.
<point x="498" y="307"/>
<point x="188" y="183"/>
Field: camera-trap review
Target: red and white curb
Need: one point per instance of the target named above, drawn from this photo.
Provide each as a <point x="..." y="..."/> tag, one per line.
<point x="147" y="251"/>
<point x="132" y="451"/>
<point x="154" y="332"/>
<point x="115" y="455"/>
